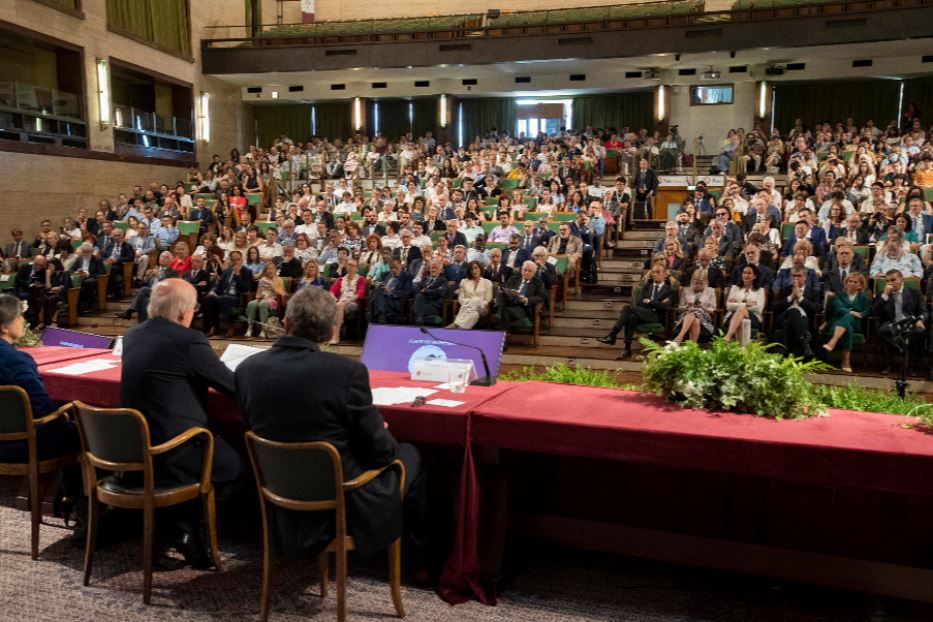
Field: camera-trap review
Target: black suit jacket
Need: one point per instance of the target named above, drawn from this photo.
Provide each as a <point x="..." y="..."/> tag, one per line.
<point x="502" y="275"/>
<point x="199" y="276"/>
<point x="167" y="370"/>
<point x="328" y="399"/>
<point x="95" y="266"/>
<point x="457" y="239"/>
<point x="127" y="254"/>
<point x="810" y="302"/>
<point x="645" y="179"/>
<point x="535" y="292"/>
<point x="244" y="284"/>
<point x="414" y="254"/>
<point x="523" y="256"/>
<point x="376" y="228"/>
<point x="911" y="304"/>
<point x="831" y="278"/>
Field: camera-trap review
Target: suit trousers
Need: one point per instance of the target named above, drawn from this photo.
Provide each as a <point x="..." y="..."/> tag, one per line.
<point x="88" y="297"/>
<point x="795" y="327"/>
<point x="218" y="308"/>
<point x="424" y="307"/>
<point x="629" y="319"/>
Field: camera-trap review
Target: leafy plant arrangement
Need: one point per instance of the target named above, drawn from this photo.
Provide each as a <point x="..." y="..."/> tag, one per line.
<point x="731" y="377"/>
<point x="29" y="338"/>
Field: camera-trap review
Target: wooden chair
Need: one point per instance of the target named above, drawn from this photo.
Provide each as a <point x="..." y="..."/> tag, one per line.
<point x="117" y="439"/>
<point x="17" y="424"/>
<point x="308" y="477"/>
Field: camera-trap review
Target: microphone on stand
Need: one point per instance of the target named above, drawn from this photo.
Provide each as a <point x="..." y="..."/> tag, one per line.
<point x="488" y="380"/>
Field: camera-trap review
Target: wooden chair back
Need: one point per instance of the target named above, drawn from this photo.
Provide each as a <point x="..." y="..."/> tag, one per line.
<point x="16" y="415"/>
<point x="115" y="439"/>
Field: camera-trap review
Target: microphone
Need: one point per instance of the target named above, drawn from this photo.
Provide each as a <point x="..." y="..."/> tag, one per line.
<point x="488" y="380"/>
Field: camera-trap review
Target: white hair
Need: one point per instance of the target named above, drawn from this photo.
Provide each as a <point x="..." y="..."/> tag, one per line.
<point x="169" y="302"/>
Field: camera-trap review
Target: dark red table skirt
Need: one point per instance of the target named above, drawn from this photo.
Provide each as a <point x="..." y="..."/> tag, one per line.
<point x="847" y="448"/>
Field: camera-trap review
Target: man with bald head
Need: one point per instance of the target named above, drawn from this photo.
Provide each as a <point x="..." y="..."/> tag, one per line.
<point x="167" y="370"/>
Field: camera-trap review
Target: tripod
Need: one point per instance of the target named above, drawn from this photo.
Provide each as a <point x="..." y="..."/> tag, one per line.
<point x="906" y="328"/>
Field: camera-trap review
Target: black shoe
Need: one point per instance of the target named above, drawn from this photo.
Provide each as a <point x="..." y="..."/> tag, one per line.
<point x="609" y="340"/>
<point x="807" y="351"/>
<point x="624" y="354"/>
<point x="190" y="543"/>
<point x="126" y="315"/>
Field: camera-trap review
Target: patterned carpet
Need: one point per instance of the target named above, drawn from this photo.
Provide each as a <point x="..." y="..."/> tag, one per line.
<point x="552" y="586"/>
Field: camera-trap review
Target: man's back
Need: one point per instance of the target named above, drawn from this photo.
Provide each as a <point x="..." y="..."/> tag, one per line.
<point x="167" y="370"/>
<point x="294" y="392"/>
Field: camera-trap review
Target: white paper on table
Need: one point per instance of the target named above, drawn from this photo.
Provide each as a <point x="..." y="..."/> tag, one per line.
<point x="388" y="396"/>
<point x="237" y="353"/>
<point x="85" y="367"/>
<point x="4" y="277"/>
<point x="444" y="386"/>
<point x="445" y="403"/>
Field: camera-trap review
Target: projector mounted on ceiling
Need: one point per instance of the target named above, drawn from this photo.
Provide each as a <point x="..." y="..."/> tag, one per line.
<point x="712" y="74"/>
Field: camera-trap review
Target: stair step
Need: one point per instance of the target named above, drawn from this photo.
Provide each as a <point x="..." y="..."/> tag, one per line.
<point x="585" y="323"/>
<point x="639" y="234"/>
<point x="637" y="244"/>
<point x="615" y="305"/>
<point x="580" y="314"/>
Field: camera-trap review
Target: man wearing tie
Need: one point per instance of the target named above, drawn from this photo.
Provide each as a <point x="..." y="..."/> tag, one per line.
<point x="496" y="271"/>
<point x="920" y="223"/>
<point x="650" y="305"/>
<point x="844" y="262"/>
<point x="17" y="250"/>
<point x="88" y="266"/>
<point x="517" y="300"/>
<point x="515" y="255"/>
<point x="430" y="295"/>
<point x="895" y="304"/>
<point x="116" y="252"/>
<point x="408" y="254"/>
<point x="793" y="308"/>
<point x="30" y="281"/>
<point x="390" y="291"/>
<point x="646" y="184"/>
<point x="529" y="238"/>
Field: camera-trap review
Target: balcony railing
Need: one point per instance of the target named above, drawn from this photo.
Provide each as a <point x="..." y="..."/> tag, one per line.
<point x="34" y="114"/>
<point x="144" y="129"/>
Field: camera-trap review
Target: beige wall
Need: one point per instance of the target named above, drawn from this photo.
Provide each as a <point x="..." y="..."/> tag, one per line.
<point x="55" y="186"/>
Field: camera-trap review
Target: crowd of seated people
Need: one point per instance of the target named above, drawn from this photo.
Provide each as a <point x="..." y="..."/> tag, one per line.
<point x="248" y="242"/>
<point x="841" y="256"/>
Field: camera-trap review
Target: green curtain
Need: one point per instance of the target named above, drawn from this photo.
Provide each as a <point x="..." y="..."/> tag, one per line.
<point x="293" y="120"/>
<point x="425" y="117"/>
<point x="632" y="109"/>
<point x="481" y="114"/>
<point x="333" y="119"/>
<point x="162" y="22"/>
<point x="835" y="101"/>
<point x="393" y="118"/>
<point x="919" y="92"/>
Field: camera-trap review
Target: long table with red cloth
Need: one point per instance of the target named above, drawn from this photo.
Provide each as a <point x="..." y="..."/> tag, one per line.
<point x="427" y="424"/>
<point x="861" y="456"/>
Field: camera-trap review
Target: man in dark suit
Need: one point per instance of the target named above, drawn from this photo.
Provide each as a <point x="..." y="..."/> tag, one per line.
<point x="198" y="277"/>
<point x="116" y="252"/>
<point x="783" y="278"/>
<point x="227" y="295"/>
<point x="457" y="269"/>
<point x="370" y="225"/>
<point x="389" y="293"/>
<point x="19" y="249"/>
<point x="30" y="281"/>
<point x="408" y="254"/>
<point x="453" y="236"/>
<point x="89" y="267"/>
<point x="544" y="232"/>
<point x="760" y="211"/>
<point x="430" y="293"/>
<point x="155" y="275"/>
<point x="895" y="304"/>
<point x="167" y="371"/>
<point x="529" y="237"/>
<point x="517" y="299"/>
<point x="803" y="230"/>
<point x="654" y="300"/>
<point x="843" y="262"/>
<point x="496" y="271"/>
<point x="856" y="232"/>
<point x="752" y="256"/>
<point x="514" y="256"/>
<point x="730" y="230"/>
<point x="646" y="185"/>
<point x="795" y="307"/>
<point x="329" y="400"/>
<point x="714" y="275"/>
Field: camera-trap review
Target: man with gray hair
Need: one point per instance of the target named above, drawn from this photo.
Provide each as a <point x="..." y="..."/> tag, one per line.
<point x="517" y="299"/>
<point x="328" y="398"/>
<point x="167" y="371"/>
<point x="89" y="267"/>
<point x="140" y="302"/>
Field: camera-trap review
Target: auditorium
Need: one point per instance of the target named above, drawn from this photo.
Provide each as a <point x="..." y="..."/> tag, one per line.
<point x="531" y="310"/>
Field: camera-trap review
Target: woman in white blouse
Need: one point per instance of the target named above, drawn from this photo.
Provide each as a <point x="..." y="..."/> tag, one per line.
<point x="746" y="301"/>
<point x="475" y="297"/>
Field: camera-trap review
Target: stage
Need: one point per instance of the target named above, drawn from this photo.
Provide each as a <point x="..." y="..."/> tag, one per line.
<point x="841" y="501"/>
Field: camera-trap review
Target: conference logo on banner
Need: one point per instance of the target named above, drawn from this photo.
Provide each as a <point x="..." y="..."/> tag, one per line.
<point x="307" y="11"/>
<point x="425" y="353"/>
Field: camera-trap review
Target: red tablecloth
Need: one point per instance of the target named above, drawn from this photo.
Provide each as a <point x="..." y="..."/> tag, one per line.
<point x="865" y="450"/>
<point x="422" y="424"/>
<point x="60" y="354"/>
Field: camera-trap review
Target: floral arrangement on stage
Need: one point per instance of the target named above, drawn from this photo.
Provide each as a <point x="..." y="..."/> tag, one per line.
<point x="29" y="338"/>
<point x="734" y="378"/>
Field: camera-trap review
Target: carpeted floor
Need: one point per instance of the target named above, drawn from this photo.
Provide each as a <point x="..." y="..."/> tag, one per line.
<point x="552" y="586"/>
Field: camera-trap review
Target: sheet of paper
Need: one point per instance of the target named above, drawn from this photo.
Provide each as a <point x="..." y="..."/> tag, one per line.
<point x="444" y="386"/>
<point x="388" y="396"/>
<point x="5" y="277"/>
<point x="445" y="403"/>
<point x="237" y="353"/>
<point x="85" y="367"/>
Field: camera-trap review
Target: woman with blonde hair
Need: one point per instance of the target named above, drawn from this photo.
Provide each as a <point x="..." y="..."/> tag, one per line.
<point x="847" y="310"/>
<point x="696" y="309"/>
<point x="349" y="289"/>
<point x="268" y="291"/>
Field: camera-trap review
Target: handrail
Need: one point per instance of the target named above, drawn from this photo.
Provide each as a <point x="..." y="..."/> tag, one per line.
<point x="491" y="30"/>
